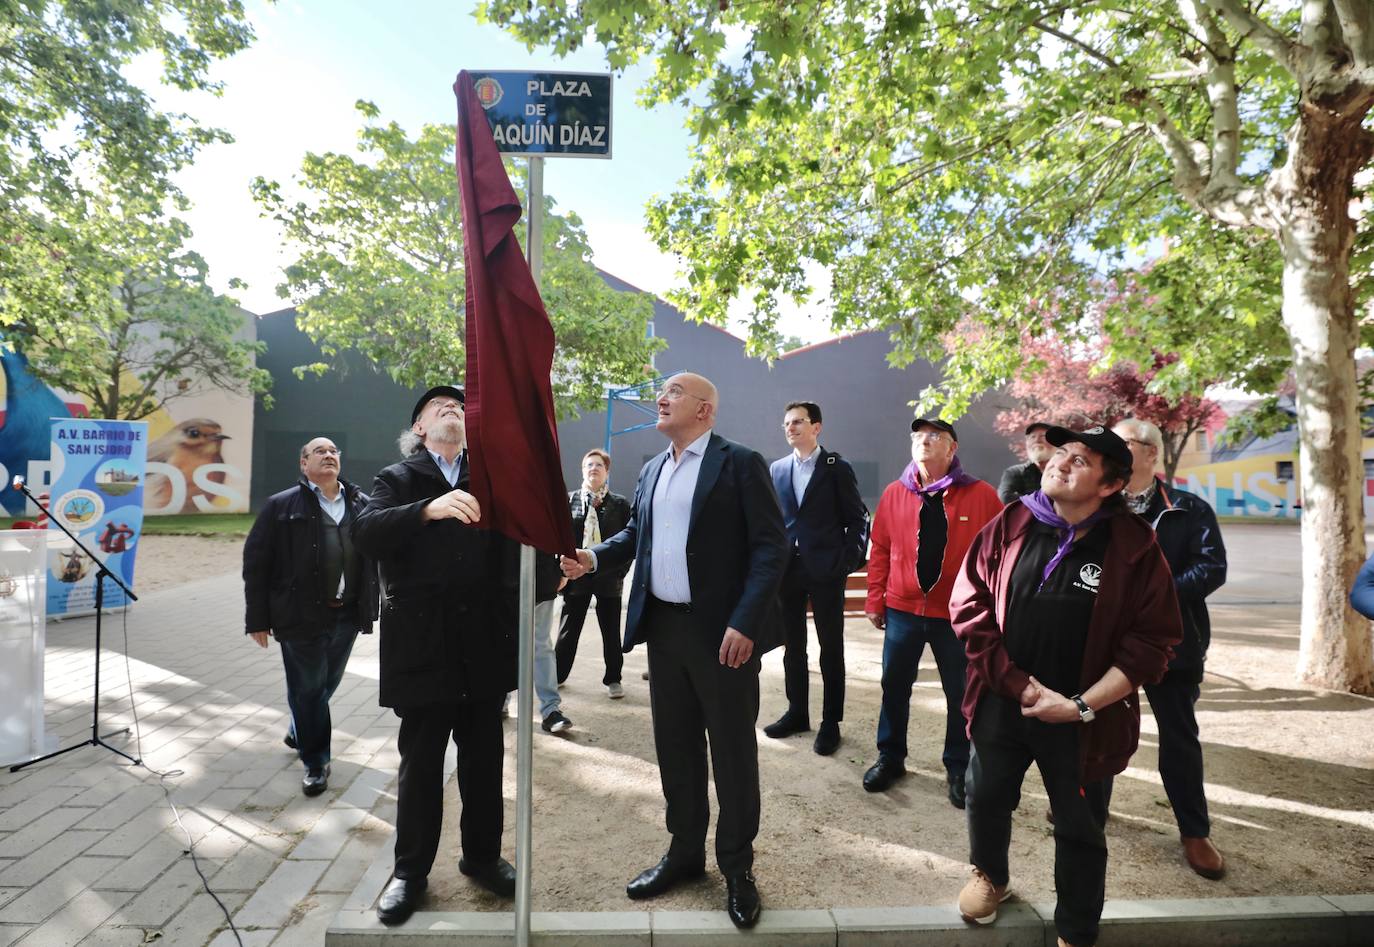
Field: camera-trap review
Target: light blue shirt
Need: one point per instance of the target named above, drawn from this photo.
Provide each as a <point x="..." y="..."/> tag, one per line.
<point x="450" y="471"/>
<point x="672" y="514"/>
<point x="336" y="508"/>
<point x="802" y="469"/>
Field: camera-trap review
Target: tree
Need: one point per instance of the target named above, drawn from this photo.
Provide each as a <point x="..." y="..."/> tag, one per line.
<point x="152" y="329"/>
<point x="381" y="269"/>
<point x="933" y="156"/>
<point x="71" y="120"/>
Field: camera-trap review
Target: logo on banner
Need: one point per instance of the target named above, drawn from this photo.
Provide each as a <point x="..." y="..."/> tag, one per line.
<point x="80" y="508"/>
<point x="489" y="91"/>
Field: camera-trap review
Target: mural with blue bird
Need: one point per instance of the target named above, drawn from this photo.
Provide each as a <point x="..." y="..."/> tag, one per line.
<point x="25" y="431"/>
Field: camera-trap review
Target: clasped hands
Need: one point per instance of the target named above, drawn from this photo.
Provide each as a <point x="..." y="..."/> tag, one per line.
<point x="736" y="648"/>
<point x="1046" y="704"/>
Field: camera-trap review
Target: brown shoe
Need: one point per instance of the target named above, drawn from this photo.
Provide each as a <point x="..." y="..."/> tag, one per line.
<point x="979" y="899"/>
<point x="1203" y="857"/>
<point x="1064" y="943"/>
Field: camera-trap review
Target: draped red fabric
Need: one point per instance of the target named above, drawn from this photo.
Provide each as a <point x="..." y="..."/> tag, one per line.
<point x="515" y="471"/>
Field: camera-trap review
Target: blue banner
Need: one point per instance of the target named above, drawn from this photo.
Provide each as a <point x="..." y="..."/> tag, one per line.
<point x="97" y="493"/>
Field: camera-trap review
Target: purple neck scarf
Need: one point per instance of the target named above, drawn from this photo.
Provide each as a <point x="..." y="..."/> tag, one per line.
<point x="956" y="475"/>
<point x="1042" y="509"/>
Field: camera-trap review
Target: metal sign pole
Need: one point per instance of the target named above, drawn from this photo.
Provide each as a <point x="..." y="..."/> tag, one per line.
<point x="524" y="723"/>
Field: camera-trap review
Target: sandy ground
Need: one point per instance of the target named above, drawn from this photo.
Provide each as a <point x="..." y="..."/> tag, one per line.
<point x="165" y="561"/>
<point x="1290" y="778"/>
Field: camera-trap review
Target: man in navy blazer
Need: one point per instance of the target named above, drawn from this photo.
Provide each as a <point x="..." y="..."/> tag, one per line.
<point x="827" y="529"/>
<point x="709" y="549"/>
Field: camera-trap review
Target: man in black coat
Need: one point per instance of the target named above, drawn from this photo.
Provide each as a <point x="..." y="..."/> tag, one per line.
<point x="827" y="529"/>
<point x="305" y="584"/>
<point x="1187" y="531"/>
<point x="1018" y="480"/>
<point x="448" y="648"/>
<point x="597" y="514"/>
<point x="709" y="548"/>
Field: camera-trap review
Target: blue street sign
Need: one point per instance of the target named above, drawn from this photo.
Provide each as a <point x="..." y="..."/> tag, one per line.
<point x="547" y="113"/>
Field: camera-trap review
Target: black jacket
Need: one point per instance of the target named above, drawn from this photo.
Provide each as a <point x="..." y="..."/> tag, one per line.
<point x="614" y="513"/>
<point x="1017" y="481"/>
<point x="449" y="593"/>
<point x="282" y="580"/>
<point x="736" y="547"/>
<point x="830" y="527"/>
<point x="1188" y="533"/>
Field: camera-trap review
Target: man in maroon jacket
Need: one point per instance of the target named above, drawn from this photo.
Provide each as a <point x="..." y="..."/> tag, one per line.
<point x="1065" y="606"/>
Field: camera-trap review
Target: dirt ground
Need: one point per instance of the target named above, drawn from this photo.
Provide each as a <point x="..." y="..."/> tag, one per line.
<point x="165" y="561"/>
<point x="1290" y="778"/>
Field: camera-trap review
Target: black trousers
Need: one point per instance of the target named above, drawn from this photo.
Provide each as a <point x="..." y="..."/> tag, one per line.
<point x="695" y="698"/>
<point x="475" y="728"/>
<point x="827" y="605"/>
<point x="570" y="630"/>
<point x="1004" y="745"/>
<point x="1180" y="752"/>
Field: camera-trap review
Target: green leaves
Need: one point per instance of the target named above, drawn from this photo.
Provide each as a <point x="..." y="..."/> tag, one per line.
<point x="379" y="268"/>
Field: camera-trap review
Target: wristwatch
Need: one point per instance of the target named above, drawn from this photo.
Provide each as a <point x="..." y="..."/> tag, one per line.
<point x="1085" y="713"/>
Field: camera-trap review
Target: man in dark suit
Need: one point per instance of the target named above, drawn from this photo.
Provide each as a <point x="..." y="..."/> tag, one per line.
<point x="827" y="529"/>
<point x="709" y="548"/>
<point x="597" y="514"/>
<point x="448" y="648"/>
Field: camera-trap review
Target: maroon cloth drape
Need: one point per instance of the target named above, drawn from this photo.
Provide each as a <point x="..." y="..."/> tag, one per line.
<point x="515" y="470"/>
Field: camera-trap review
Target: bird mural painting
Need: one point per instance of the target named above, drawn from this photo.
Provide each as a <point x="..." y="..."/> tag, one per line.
<point x="187" y="446"/>
<point x="25" y="424"/>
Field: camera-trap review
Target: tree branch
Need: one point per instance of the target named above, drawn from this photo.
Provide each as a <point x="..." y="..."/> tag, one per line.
<point x="1357" y="24"/>
<point x="1075" y="41"/>
<point x="1221" y="94"/>
<point x="1252" y="27"/>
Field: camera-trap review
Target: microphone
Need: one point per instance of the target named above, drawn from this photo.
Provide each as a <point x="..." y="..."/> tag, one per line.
<point x="18" y="482"/>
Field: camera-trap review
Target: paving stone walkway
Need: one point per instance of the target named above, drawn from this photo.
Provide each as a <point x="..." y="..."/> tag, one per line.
<point x="90" y="852"/>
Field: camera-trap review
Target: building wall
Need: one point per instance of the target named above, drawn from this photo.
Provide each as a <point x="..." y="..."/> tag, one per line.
<point x="864" y="402"/>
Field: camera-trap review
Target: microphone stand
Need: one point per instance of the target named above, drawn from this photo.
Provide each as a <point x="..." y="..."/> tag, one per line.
<point x="95" y="738"/>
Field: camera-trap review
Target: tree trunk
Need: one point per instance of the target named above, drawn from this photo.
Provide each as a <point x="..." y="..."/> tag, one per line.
<point x="1311" y="196"/>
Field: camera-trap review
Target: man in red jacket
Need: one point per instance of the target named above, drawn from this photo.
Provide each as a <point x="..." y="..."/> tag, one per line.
<point x="1065" y="605"/>
<point x="925" y="522"/>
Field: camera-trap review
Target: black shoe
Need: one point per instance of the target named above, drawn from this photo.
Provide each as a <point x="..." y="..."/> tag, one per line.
<point x="652" y="882"/>
<point x="786" y="725"/>
<point x="742" y="900"/>
<point x="289" y="739"/>
<point x="400" y="898"/>
<point x="497" y="876"/>
<point x="827" y="738"/>
<point x="957" y="796"/>
<point x="883" y="774"/>
<point x="315" y="782"/>
<point x="555" y="722"/>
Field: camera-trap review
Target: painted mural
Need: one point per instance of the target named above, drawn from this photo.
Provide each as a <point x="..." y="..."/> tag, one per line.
<point x="199" y="452"/>
<point x="1261" y="479"/>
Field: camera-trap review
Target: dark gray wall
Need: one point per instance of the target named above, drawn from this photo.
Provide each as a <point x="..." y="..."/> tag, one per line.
<point x="864" y="402"/>
<point x="359" y="408"/>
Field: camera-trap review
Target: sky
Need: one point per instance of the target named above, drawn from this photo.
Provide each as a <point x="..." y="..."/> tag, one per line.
<point x="293" y="91"/>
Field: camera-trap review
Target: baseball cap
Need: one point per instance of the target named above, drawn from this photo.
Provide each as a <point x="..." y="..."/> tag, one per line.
<point x="935" y="423"/>
<point x="1097" y="438"/>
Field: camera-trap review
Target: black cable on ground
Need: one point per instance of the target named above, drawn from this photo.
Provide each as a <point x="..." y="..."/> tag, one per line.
<point x="166" y="791"/>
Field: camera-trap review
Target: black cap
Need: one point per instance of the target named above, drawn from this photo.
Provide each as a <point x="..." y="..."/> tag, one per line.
<point x="935" y="423"/>
<point x="1097" y="438"/>
<point x="451" y="390"/>
<point x="1038" y="426"/>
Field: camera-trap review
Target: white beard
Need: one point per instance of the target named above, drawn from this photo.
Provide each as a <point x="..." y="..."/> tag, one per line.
<point x="446" y="431"/>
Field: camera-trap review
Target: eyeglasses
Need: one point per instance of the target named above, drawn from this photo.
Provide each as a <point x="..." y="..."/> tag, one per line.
<point x="930" y="437"/>
<point x="676" y="393"/>
<point x="441" y="405"/>
<point x="1138" y="442"/>
<point x="326" y="452"/>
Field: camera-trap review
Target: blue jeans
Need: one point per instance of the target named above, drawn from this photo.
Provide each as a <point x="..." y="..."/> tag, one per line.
<point x="545" y="663"/>
<point x="904" y="638"/>
<point x="314" y="668"/>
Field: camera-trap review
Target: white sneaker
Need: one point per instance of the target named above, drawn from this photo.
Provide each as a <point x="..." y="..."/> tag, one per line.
<point x="615" y="691"/>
